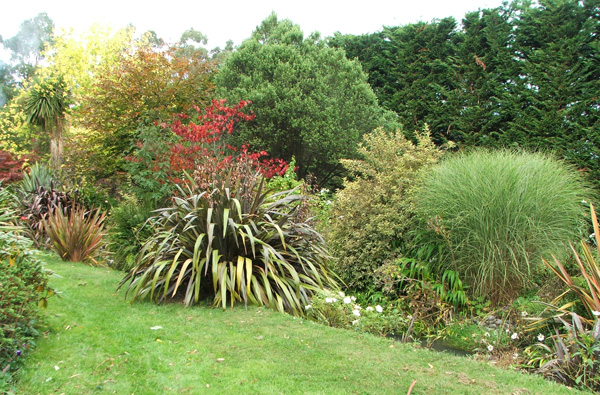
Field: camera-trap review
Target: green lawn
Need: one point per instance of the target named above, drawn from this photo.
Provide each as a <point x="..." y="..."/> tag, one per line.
<point x="95" y="342"/>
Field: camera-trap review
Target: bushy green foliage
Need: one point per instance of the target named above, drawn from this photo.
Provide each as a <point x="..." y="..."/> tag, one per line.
<point x="23" y="285"/>
<point x="129" y="230"/>
<point x="76" y="235"/>
<point x="234" y="242"/>
<point x="285" y="182"/>
<point x="406" y="276"/>
<point x="373" y="213"/>
<point x="310" y="101"/>
<point x="7" y="208"/>
<point x="500" y="213"/>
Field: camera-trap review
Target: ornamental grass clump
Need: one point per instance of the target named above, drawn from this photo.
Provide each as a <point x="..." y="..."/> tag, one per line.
<point x="500" y="213"/>
<point x="234" y="243"/>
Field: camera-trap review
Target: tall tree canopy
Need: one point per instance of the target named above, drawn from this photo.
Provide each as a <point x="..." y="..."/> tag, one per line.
<point x="310" y="101"/>
<point x="148" y="84"/>
<point x="524" y="74"/>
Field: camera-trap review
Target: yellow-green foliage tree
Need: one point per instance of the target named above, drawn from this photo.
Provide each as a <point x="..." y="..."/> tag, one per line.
<point x="372" y="214"/>
<point x="80" y="57"/>
<point x="148" y="85"/>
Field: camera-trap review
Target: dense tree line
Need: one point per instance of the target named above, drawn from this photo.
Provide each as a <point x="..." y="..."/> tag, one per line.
<point x="523" y="75"/>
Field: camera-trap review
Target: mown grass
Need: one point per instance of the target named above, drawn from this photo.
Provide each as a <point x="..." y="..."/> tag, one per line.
<point x="95" y="342"/>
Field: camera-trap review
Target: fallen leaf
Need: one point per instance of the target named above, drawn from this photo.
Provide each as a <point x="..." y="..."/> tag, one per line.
<point x="155" y="328"/>
<point x="160" y="341"/>
<point x="56" y="367"/>
<point x="259" y="337"/>
<point x="430" y="366"/>
<point x="220" y="359"/>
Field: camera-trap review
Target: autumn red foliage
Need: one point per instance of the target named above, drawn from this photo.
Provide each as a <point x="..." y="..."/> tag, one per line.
<point x="10" y="168"/>
<point x="201" y="152"/>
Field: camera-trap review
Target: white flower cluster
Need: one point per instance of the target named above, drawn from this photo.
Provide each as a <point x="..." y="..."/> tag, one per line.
<point x="347" y="300"/>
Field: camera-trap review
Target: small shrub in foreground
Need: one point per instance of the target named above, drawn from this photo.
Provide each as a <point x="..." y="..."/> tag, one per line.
<point x="23" y="287"/>
<point x="76" y="235"/>
<point x="500" y="213"/>
<point x="336" y="309"/>
<point x="571" y="357"/>
<point x="38" y="204"/>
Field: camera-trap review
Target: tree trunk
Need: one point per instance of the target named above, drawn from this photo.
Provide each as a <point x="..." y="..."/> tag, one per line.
<point x="56" y="145"/>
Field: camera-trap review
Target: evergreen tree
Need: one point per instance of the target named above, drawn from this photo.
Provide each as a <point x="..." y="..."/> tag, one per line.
<point x="310" y="102"/>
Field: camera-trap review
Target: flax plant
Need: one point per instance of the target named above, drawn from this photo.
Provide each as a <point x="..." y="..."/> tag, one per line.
<point x="589" y="269"/>
<point x="76" y="235"/>
<point x="236" y="243"/>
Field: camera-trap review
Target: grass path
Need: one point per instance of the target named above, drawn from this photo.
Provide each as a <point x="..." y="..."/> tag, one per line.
<point x="96" y="343"/>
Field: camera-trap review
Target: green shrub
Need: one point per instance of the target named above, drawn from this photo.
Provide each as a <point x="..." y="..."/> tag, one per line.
<point x="76" y="235"/>
<point x="289" y="180"/>
<point x="236" y="243"/>
<point x="7" y="210"/>
<point x="372" y="214"/>
<point x="129" y="230"/>
<point x="405" y="276"/>
<point x="23" y="287"/>
<point x="500" y="213"/>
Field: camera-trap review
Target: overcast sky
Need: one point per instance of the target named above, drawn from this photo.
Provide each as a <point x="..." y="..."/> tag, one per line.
<point x="233" y="19"/>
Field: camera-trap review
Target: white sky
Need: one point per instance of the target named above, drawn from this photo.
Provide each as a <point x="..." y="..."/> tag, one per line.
<point x="234" y="19"/>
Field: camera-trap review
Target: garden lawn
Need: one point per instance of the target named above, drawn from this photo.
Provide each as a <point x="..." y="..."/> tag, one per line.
<point x="94" y="342"/>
